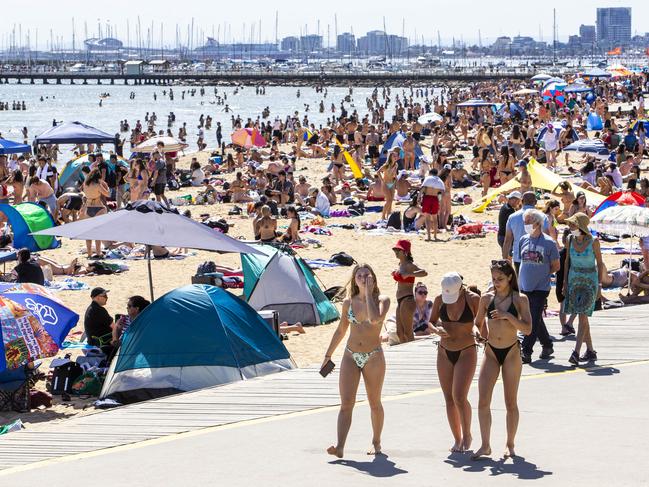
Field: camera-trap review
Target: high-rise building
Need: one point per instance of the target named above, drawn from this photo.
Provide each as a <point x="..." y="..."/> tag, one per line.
<point x="311" y="42"/>
<point x="613" y="26"/>
<point x="346" y="43"/>
<point x="290" y="44"/>
<point x="587" y="34"/>
<point x="377" y="42"/>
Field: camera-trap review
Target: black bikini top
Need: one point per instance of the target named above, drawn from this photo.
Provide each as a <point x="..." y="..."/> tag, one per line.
<point x="467" y="315"/>
<point x="512" y="309"/>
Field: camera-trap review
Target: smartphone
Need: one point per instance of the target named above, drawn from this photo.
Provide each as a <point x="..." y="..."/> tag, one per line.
<point x="327" y="368"/>
<point x="118" y="317"/>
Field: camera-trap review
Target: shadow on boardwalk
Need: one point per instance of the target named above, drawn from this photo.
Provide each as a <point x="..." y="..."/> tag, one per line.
<point x="380" y="466"/>
<point x="516" y="466"/>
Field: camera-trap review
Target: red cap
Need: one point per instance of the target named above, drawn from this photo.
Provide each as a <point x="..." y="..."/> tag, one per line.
<point x="403" y="245"/>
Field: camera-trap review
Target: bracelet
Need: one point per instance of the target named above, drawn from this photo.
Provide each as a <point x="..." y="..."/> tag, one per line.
<point x="327" y="356"/>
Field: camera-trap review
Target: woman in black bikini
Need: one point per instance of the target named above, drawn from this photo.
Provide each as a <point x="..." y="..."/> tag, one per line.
<point x="457" y="355"/>
<point x="507" y="313"/>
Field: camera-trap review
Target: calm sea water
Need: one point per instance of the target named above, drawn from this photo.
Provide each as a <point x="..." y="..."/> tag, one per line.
<point x="81" y="103"/>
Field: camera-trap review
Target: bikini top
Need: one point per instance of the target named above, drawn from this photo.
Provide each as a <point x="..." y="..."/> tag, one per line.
<point x="396" y="275"/>
<point x="467" y="315"/>
<point x="512" y="309"/>
<point x="351" y="316"/>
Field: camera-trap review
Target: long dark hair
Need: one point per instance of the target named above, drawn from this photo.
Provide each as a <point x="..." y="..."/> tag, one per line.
<point x="506" y="268"/>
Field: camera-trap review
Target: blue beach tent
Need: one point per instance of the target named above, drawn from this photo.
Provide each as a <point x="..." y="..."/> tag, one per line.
<point x="26" y="218"/>
<point x="11" y="147"/>
<point x="71" y="173"/>
<point x="74" y="133"/>
<point x="396" y="140"/>
<point x="193" y="337"/>
<point x="277" y="279"/>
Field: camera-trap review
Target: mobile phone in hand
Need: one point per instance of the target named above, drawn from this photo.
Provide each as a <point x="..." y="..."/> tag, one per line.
<point x="327" y="368"/>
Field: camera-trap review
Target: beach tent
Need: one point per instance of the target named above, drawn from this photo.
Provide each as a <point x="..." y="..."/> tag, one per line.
<point x="594" y="122"/>
<point x="621" y="198"/>
<point x="10" y="147"/>
<point x="74" y="133"/>
<point x="193" y="337"/>
<point x="71" y="172"/>
<point x="26" y="218"/>
<point x="514" y="108"/>
<point x="396" y="140"/>
<point x="542" y="178"/>
<point x="280" y="280"/>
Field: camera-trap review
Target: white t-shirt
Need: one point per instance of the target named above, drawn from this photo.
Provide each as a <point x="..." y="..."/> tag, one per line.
<point x="550" y="140"/>
<point x="197" y="177"/>
<point x="322" y="204"/>
<point x="433" y="182"/>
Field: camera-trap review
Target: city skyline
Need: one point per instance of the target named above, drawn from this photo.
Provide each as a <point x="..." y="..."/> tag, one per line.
<point x="257" y="23"/>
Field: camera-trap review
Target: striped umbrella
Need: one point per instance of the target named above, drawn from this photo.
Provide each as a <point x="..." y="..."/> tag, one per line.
<point x="594" y="147"/>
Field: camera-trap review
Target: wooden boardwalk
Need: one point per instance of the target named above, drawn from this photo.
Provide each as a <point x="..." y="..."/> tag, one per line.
<point x="620" y="335"/>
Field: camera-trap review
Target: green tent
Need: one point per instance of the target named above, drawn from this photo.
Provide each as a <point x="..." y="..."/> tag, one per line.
<point x="282" y="281"/>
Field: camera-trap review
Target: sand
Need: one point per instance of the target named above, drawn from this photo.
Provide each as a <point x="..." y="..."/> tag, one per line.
<point x="470" y="257"/>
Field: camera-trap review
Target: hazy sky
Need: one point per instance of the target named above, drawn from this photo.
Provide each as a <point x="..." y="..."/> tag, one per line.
<point x="459" y="18"/>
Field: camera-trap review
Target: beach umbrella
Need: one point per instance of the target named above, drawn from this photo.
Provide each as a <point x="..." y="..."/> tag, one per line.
<point x="32" y="327"/>
<point x="621" y="198"/>
<point x="620" y="71"/>
<point x="248" y="138"/>
<point x="171" y="144"/>
<point x="622" y="220"/>
<point x="541" y="77"/>
<point x="594" y="147"/>
<point x="526" y="91"/>
<point x="150" y="223"/>
<point x="577" y="88"/>
<point x="475" y="102"/>
<point x="431" y="117"/>
<point x="10" y="147"/>
<point x="596" y="73"/>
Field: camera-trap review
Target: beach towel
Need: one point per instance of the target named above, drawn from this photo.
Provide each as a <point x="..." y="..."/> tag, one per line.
<point x="316" y="230"/>
<point x="320" y="264"/>
<point x="621" y="249"/>
<point x="68" y="284"/>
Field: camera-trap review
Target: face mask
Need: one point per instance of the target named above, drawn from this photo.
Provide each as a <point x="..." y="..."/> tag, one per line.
<point x="529" y="228"/>
<point x="575" y="233"/>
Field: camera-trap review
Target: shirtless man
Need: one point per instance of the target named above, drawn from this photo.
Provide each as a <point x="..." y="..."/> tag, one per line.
<point x="40" y="191"/>
<point x="265" y="225"/>
<point x="525" y="177"/>
<point x="375" y="191"/>
<point x="302" y="190"/>
<point x="403" y="185"/>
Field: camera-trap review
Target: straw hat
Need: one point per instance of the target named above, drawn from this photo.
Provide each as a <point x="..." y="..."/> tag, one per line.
<point x="581" y="220"/>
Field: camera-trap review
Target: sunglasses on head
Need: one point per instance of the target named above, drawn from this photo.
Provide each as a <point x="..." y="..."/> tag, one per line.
<point x="500" y="263"/>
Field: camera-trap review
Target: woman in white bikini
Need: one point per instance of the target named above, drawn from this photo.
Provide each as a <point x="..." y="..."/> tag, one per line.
<point x="365" y="309"/>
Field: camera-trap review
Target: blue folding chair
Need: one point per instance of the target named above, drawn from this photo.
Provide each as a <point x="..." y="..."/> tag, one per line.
<point x="14" y="387"/>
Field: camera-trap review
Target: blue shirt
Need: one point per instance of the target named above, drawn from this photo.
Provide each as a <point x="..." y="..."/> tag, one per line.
<point x="537" y="254"/>
<point x="517" y="227"/>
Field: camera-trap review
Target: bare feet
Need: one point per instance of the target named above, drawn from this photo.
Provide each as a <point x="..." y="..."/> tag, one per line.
<point x="466" y="443"/>
<point x="457" y="446"/>
<point x="299" y="328"/>
<point x="483" y="451"/>
<point x="375" y="449"/>
<point x="335" y="451"/>
<point x="509" y="452"/>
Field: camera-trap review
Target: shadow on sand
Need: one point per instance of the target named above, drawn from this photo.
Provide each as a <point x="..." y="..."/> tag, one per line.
<point x="516" y="466"/>
<point x="380" y="466"/>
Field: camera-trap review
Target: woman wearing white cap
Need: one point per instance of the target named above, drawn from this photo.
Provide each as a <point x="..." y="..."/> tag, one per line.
<point x="507" y="313"/>
<point x="457" y="356"/>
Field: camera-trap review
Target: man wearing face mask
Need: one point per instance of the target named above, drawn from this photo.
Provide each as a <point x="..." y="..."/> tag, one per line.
<point x="539" y="260"/>
<point x="515" y="229"/>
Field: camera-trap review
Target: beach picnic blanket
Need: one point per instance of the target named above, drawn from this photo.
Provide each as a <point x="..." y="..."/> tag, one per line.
<point x="68" y="284"/>
<point x="320" y="264"/>
<point x="621" y="249"/>
<point x="138" y="253"/>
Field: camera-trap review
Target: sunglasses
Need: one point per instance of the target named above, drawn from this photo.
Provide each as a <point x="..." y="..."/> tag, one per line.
<point x="500" y="263"/>
<point x="423" y="293"/>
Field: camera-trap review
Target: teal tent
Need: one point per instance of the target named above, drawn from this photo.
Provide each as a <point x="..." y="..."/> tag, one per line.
<point x="27" y="218"/>
<point x="193" y="337"/>
<point x="280" y="280"/>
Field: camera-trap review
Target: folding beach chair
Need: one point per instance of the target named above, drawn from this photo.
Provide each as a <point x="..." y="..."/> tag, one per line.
<point x="14" y="388"/>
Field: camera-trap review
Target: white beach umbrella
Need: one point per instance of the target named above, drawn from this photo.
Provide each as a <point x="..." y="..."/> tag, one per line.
<point x="170" y="145"/>
<point x="526" y="91"/>
<point x="431" y="117"/>
<point x="150" y="223"/>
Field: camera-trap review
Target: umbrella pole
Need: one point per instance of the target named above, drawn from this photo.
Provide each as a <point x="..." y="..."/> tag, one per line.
<point x="148" y="264"/>
<point x="628" y="286"/>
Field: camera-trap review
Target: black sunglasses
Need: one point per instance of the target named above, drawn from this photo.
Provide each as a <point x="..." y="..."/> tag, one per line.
<point x="423" y="293"/>
<point x="500" y="263"/>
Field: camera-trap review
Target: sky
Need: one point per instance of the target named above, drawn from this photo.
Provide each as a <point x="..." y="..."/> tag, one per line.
<point x="239" y="21"/>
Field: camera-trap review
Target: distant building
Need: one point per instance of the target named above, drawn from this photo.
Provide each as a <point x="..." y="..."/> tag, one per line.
<point x="346" y="43"/>
<point x="311" y="43"/>
<point x="502" y="45"/>
<point x="102" y="45"/>
<point x="134" y="68"/>
<point x="587" y="34"/>
<point x="376" y="42"/>
<point x="613" y="26"/>
<point x="290" y="44"/>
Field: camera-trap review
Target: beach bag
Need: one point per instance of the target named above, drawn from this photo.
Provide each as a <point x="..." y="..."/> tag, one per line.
<point x="104" y="268"/>
<point x="207" y="267"/>
<point x="394" y="220"/>
<point x="87" y="383"/>
<point x="64" y="376"/>
<point x="633" y="264"/>
<point x="173" y="184"/>
<point x="335" y="294"/>
<point x="341" y="258"/>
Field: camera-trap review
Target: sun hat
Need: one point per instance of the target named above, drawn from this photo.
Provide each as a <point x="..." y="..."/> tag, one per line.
<point x="451" y="285"/>
<point x="403" y="245"/>
<point x="581" y="220"/>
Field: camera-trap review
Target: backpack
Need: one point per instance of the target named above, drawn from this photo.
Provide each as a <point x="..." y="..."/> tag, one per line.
<point x="341" y="258"/>
<point x="207" y="267"/>
<point x="221" y="225"/>
<point x="64" y="376"/>
<point x="394" y="220"/>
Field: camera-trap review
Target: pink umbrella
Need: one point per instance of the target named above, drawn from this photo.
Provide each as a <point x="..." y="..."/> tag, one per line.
<point x="248" y="138"/>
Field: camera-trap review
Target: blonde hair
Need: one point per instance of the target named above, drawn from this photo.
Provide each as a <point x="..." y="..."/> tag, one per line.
<point x="353" y="287"/>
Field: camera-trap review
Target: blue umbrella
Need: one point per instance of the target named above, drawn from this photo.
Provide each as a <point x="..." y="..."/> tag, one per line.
<point x="10" y="147"/>
<point x="475" y="102"/>
<point x="596" y="73"/>
<point x="594" y="147"/>
<point x="577" y="88"/>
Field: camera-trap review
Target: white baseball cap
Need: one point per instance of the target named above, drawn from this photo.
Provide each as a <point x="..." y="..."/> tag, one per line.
<point x="515" y="194"/>
<point x="451" y="285"/>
